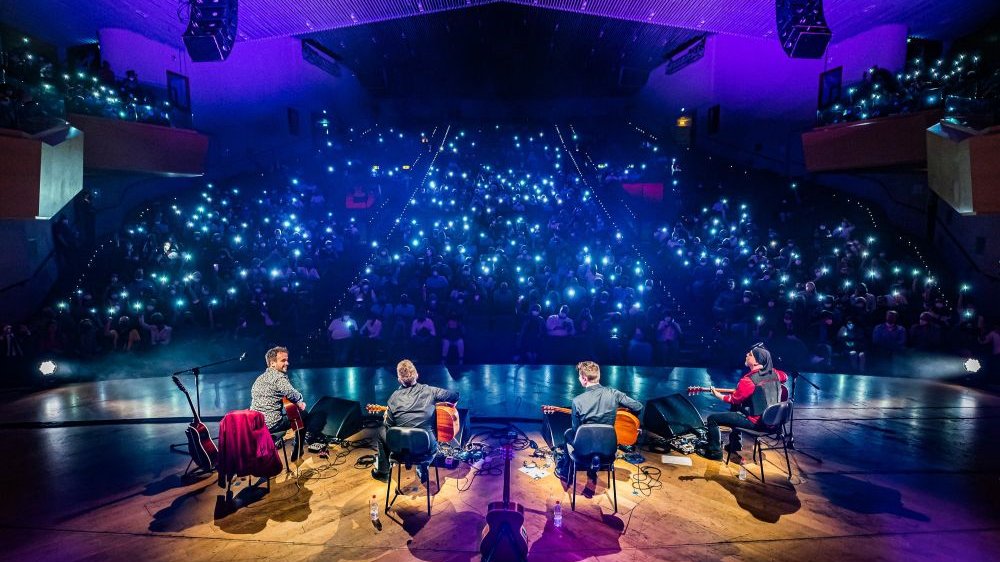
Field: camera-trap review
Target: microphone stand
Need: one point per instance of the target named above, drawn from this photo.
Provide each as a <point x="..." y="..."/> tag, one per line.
<point x="796" y="375"/>
<point x="197" y="393"/>
<point x="197" y="372"/>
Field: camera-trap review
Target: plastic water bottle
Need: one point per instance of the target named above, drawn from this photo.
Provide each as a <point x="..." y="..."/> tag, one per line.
<point x="373" y="511"/>
<point x="743" y="473"/>
<point x="557" y="515"/>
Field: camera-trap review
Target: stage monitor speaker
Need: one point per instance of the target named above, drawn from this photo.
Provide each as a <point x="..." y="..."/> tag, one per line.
<point x="554" y="428"/>
<point x="211" y="30"/>
<point x="334" y="417"/>
<point x="670" y="416"/>
<point x="802" y="28"/>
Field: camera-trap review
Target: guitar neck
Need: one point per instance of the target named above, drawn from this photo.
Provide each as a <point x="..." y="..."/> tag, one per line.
<point x="697" y="389"/>
<point x="187" y="395"/>
<point x="507" y="453"/>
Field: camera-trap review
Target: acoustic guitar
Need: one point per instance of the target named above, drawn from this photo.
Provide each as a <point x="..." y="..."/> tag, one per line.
<point x="626" y="423"/>
<point x="447" y="419"/>
<point x="692" y="390"/>
<point x="296" y="424"/>
<point x="500" y="540"/>
<point x="202" y="449"/>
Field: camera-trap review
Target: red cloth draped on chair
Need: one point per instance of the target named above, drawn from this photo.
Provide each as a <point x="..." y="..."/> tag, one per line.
<point x="246" y="448"/>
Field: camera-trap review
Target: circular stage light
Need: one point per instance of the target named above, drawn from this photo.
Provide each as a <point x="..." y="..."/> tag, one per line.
<point x="972" y="365"/>
<point x="47" y="367"/>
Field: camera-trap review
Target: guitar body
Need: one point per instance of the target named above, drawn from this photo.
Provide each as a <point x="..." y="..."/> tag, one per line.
<point x="447" y="421"/>
<point x="627" y="424"/>
<point x="295" y="422"/>
<point x="500" y="541"/>
<point x="202" y="448"/>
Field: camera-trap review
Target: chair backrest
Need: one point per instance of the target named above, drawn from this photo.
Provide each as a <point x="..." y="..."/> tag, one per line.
<point x="595" y="440"/>
<point x="776" y="415"/>
<point x="409" y="441"/>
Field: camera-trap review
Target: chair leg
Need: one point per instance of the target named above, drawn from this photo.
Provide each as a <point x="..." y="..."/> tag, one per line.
<point x="437" y="478"/>
<point x="388" y="488"/>
<point x="760" y="460"/>
<point x="429" y="493"/>
<point x="788" y="463"/>
<point x="573" y="500"/>
<point x="614" y="485"/>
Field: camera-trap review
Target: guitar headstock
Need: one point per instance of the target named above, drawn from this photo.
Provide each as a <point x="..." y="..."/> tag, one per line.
<point x="375" y="408"/>
<point x="179" y="384"/>
<point x="692" y="390"/>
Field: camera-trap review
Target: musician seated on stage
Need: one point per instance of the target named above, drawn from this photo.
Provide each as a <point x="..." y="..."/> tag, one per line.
<point x="760" y="387"/>
<point x="271" y="386"/>
<point x="410" y="405"/>
<point x="596" y="405"/>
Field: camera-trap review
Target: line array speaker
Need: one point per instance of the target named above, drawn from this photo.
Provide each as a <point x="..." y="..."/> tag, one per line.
<point x="802" y="28"/>
<point x="211" y="30"/>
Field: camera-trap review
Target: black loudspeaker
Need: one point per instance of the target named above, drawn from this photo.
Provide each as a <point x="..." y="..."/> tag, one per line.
<point x="334" y="417"/>
<point x="670" y="416"/>
<point x="802" y="28"/>
<point x="211" y="30"/>
<point x="554" y="428"/>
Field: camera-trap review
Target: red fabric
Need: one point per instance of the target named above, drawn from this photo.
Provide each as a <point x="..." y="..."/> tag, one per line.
<point x="744" y="390"/>
<point x="648" y="191"/>
<point x="246" y="447"/>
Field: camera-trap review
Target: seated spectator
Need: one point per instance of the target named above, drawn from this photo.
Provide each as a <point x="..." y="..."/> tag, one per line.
<point x="342" y="330"/>
<point x="560" y="325"/>
<point x="640" y="351"/>
<point x="453" y="335"/>
<point x="668" y="339"/>
<point x="529" y="338"/>
<point x="422" y="333"/>
<point x="159" y="331"/>
<point x="889" y="337"/>
<point x="925" y="335"/>
<point x="371" y="335"/>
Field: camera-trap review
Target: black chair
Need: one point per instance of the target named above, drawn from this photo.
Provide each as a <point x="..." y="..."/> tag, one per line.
<point x="771" y="426"/>
<point x="594" y="444"/>
<point x="409" y="446"/>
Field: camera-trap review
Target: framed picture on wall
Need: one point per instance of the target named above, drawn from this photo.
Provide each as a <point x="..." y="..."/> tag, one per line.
<point x="829" y="87"/>
<point x="178" y="92"/>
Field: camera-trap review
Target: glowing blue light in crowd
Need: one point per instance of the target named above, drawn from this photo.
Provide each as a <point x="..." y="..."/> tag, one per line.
<point x="237" y="239"/>
<point x="275" y="273"/>
<point x="179" y="303"/>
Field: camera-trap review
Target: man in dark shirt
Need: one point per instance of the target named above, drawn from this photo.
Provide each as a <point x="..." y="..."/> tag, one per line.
<point x="596" y="405"/>
<point x="411" y="405"/>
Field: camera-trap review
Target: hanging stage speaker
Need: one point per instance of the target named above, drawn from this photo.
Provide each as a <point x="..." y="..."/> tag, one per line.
<point x="670" y="416"/>
<point x="802" y="28"/>
<point x="334" y="417"/>
<point x="211" y="30"/>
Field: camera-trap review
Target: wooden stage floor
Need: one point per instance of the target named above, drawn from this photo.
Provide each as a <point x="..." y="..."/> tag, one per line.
<point x="908" y="472"/>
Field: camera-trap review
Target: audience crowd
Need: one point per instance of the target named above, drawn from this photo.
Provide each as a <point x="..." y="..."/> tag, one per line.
<point x="518" y="246"/>
<point x="961" y="86"/>
<point x="37" y="92"/>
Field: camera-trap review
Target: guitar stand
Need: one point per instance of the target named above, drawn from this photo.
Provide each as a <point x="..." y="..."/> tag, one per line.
<point x="508" y="535"/>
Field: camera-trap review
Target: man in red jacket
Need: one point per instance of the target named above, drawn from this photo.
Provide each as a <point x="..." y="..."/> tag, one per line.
<point x="760" y="387"/>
